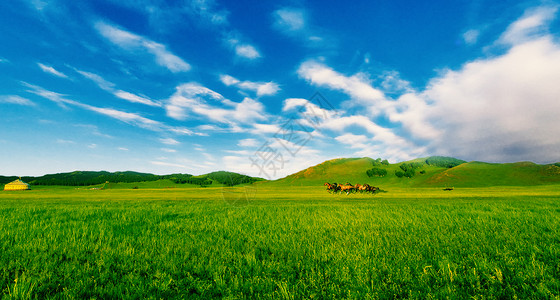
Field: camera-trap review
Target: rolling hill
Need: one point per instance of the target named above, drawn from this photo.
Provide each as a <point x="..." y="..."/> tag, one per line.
<point x="91" y="178"/>
<point x="432" y="171"/>
<point x="427" y="172"/>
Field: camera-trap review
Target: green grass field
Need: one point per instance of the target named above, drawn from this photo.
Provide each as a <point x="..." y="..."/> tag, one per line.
<point x="282" y="242"/>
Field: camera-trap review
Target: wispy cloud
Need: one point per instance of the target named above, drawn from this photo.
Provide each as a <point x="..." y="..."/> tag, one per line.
<point x="169" y="141"/>
<point x="110" y="87"/>
<point x="260" y="88"/>
<point x="135" y="98"/>
<point x="289" y="19"/>
<point x="14" y="99"/>
<point x="65" y="142"/>
<point x="294" y="23"/>
<point x="193" y="98"/>
<point x="357" y="86"/>
<point x="51" y="70"/>
<point x="471" y="36"/>
<point x="206" y="10"/>
<point x="248" y="143"/>
<point x="243" y="50"/>
<point x="534" y="23"/>
<point x="52" y="96"/>
<point x="127" y="117"/>
<point x="132" y="42"/>
<point x="100" y="81"/>
<point x="93" y="130"/>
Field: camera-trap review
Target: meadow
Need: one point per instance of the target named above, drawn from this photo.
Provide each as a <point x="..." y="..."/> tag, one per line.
<point x="268" y="241"/>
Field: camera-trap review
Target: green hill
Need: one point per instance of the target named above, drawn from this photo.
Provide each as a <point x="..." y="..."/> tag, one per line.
<point x="478" y="174"/>
<point x="129" y="178"/>
<point x="435" y="171"/>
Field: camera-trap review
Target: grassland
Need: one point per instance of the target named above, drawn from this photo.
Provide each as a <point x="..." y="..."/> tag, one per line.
<point x="282" y="242"/>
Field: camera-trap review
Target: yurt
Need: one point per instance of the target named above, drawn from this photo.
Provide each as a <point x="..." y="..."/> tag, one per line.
<point x="16" y="185"/>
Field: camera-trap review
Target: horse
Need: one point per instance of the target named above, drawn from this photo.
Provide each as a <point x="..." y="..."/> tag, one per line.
<point x="330" y="187"/>
<point x="348" y="188"/>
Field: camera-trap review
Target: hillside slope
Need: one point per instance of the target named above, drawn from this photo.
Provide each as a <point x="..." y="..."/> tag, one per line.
<point x="479" y="174"/>
<point x="427" y="172"/>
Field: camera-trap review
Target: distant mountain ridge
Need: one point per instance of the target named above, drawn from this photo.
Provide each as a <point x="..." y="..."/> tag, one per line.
<point x="87" y="178"/>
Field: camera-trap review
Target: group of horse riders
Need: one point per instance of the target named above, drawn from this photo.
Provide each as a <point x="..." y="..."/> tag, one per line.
<point x="348" y="188"/>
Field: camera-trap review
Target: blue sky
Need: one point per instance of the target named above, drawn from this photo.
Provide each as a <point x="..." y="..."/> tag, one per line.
<point x="268" y="88"/>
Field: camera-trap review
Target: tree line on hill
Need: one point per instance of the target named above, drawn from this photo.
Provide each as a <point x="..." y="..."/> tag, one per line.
<point x="87" y="178"/>
<point x="409" y="169"/>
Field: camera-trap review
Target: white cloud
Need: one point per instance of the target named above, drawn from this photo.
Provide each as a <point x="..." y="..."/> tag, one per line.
<point x="132" y="42"/>
<point x="260" y="88"/>
<point x="353" y="140"/>
<point x="92" y="146"/>
<point x="471" y="36"/>
<point x="228" y="80"/>
<point x="14" y="99"/>
<point x="248" y="143"/>
<point x="500" y="109"/>
<point x="110" y="87"/>
<point x="247" y="51"/>
<point x="294" y="22"/>
<point x="205" y="9"/>
<point x="122" y="149"/>
<point x="289" y="19"/>
<point x="55" y="97"/>
<point x="135" y="98"/>
<point x="392" y="83"/>
<point x="411" y="110"/>
<point x="168" y="150"/>
<point x="193" y="98"/>
<point x="169" y="141"/>
<point x="127" y="117"/>
<point x="65" y="142"/>
<point x="51" y="70"/>
<point x="356" y="86"/>
<point x="261" y="129"/>
<point x="100" y="81"/>
<point x="534" y="23"/>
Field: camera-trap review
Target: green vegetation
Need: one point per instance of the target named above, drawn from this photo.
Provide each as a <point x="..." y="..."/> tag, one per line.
<point x="472" y="174"/>
<point x="444" y="161"/>
<point x="88" y="178"/>
<point x="288" y="243"/>
<point x="376" y="172"/>
<point x="408" y="169"/>
<point x="231" y="179"/>
<point x="379" y="162"/>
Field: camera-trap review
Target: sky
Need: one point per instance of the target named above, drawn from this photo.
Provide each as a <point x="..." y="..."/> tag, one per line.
<point x="268" y="88"/>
